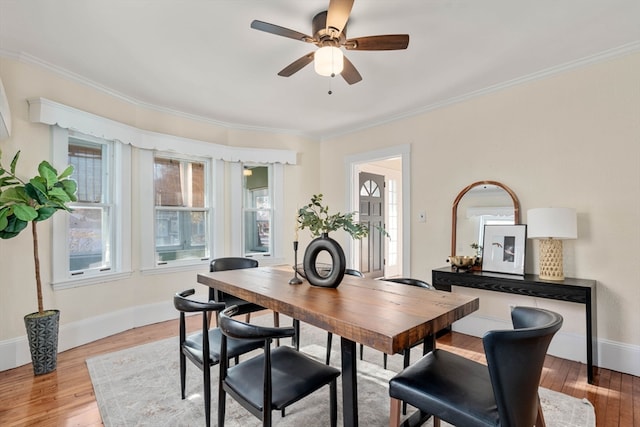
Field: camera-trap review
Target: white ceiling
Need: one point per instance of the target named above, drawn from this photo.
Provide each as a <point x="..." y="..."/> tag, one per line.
<point x="201" y="58"/>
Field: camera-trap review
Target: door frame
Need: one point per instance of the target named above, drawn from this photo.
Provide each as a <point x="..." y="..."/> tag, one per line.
<point x="352" y="163"/>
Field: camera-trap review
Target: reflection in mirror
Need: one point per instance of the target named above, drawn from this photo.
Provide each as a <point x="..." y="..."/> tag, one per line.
<point x="481" y="203"/>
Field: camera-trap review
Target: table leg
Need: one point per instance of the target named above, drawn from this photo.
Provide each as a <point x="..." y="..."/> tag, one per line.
<point x="349" y="383"/>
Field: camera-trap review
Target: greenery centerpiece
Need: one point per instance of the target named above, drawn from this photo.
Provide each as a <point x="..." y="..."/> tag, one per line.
<point x="316" y="218"/>
<point x="32" y="201"/>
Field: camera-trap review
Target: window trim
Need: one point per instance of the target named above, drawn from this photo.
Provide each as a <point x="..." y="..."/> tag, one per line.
<point x="120" y="172"/>
<point x="276" y="184"/>
<point x="148" y="261"/>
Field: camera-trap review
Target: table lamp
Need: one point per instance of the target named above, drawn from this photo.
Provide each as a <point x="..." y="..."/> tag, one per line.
<point x="551" y="226"/>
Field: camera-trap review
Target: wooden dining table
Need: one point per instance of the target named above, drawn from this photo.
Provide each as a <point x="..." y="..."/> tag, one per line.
<point x="383" y="315"/>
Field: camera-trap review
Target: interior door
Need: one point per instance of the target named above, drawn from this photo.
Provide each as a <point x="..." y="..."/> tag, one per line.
<point x="372" y="214"/>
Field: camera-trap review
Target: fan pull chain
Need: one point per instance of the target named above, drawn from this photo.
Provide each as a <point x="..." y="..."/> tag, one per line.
<point x="330" y="80"/>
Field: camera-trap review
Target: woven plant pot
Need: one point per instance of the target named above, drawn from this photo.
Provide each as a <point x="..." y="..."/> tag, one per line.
<point x="42" y="332"/>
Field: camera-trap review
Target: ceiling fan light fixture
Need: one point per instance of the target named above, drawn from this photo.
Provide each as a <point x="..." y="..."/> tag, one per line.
<point x="328" y="61"/>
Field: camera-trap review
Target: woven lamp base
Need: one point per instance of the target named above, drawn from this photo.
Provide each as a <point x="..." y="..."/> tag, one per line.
<point x="551" y="259"/>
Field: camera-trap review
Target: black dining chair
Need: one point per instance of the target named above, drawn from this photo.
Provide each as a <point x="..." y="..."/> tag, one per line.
<point x="245" y="307"/>
<point x="350" y="272"/>
<point x="203" y="348"/>
<point x="406" y="353"/>
<point x="274" y="379"/>
<point x="464" y="392"/>
<point x="233" y="263"/>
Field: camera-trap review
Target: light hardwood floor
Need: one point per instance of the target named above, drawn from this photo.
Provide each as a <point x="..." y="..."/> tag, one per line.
<point x="65" y="397"/>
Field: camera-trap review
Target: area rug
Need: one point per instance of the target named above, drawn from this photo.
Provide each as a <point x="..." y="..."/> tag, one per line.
<point x="140" y="386"/>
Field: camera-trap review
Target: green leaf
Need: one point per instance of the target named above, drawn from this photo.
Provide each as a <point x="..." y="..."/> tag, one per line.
<point x="14" y="227"/>
<point x="67" y="172"/>
<point x="71" y="188"/>
<point x="4" y="213"/>
<point x="45" y="213"/>
<point x="14" y="162"/>
<point x="59" y="195"/>
<point x="37" y="190"/>
<point x="15" y="195"/>
<point x="48" y="172"/>
<point x="25" y="212"/>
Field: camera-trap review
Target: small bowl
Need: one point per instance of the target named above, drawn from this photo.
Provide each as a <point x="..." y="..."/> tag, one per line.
<point x="460" y="261"/>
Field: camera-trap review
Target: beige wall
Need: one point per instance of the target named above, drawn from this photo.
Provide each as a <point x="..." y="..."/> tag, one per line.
<point x="572" y="140"/>
<point x="568" y="140"/>
<point x="88" y="303"/>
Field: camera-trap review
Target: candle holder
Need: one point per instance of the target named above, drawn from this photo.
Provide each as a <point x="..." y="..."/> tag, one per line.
<point x="295" y="280"/>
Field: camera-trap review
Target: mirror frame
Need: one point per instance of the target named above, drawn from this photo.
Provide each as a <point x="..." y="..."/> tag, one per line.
<point x="454" y="210"/>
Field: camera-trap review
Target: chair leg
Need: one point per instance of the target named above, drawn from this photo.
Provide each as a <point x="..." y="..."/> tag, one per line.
<point x="436" y="421"/>
<point x="394" y="413"/>
<point x="207" y="394"/>
<point x="361" y="351"/>
<point x="221" y="404"/>
<point x="276" y="323"/>
<point x="384" y="360"/>
<point x="333" y="405"/>
<point x="540" y="420"/>
<point x="183" y="373"/>
<point x="329" y="338"/>
<point x="295" y="340"/>
<point x="407" y="361"/>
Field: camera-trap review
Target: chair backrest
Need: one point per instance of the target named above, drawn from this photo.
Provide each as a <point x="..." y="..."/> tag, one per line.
<point x="228" y="263"/>
<point x="185" y="305"/>
<point x="352" y="272"/>
<point x="515" y="359"/>
<point x="241" y="330"/>
<point x="232" y="263"/>
<point x="409" y="281"/>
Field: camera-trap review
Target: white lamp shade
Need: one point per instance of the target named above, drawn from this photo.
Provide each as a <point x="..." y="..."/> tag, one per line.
<point x="328" y="60"/>
<point x="556" y="223"/>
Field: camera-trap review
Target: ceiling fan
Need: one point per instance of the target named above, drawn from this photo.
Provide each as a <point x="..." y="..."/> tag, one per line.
<point x="330" y="34"/>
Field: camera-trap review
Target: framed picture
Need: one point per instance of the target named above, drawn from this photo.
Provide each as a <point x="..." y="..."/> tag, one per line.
<point x="503" y="248"/>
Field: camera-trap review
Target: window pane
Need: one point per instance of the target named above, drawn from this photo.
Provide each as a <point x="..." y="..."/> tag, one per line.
<point x="181" y="235"/>
<point x="197" y="185"/>
<point x="258" y="211"/>
<point x="257" y="230"/>
<point x="87" y="163"/>
<point x="167" y="182"/>
<point x="88" y="239"/>
<point x="170" y="177"/>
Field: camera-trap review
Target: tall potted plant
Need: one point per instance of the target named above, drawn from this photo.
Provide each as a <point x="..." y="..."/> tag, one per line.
<point x="315" y="217"/>
<point x="23" y="202"/>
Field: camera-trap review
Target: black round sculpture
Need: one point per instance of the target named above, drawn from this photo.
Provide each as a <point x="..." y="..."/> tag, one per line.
<point x="332" y="277"/>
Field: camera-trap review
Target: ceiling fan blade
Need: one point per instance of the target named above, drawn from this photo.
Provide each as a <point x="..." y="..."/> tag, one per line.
<point x="296" y="65"/>
<point x="338" y="14"/>
<point x="386" y="42"/>
<point x="349" y="72"/>
<point x="280" y="31"/>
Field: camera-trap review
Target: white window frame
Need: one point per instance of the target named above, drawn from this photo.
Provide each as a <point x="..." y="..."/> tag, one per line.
<point x="119" y="166"/>
<point x="276" y="191"/>
<point x="148" y="222"/>
<point x="214" y="182"/>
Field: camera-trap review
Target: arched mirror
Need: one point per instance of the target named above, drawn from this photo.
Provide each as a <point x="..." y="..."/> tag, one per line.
<point x="479" y="204"/>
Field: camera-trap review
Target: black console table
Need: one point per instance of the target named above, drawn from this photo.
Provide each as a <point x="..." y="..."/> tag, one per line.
<point x="580" y="291"/>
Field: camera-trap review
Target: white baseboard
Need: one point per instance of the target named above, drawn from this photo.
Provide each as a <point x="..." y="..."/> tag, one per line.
<point x="15" y="352"/>
<point x="611" y="354"/>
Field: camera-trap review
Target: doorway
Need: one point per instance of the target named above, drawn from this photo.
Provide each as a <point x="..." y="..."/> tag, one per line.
<point x="393" y="166"/>
<point x="372" y="209"/>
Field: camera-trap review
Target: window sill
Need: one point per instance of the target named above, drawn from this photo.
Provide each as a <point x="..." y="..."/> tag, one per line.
<point x="89" y="280"/>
